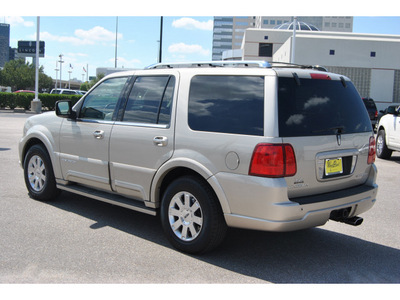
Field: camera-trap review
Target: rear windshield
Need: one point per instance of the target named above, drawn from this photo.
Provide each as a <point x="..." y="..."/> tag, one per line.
<point x="311" y="107"/>
<point x="369" y="103"/>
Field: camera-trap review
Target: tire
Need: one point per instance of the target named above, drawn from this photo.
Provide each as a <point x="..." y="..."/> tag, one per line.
<point x="191" y="216"/>
<point x="382" y="151"/>
<point x="39" y="175"/>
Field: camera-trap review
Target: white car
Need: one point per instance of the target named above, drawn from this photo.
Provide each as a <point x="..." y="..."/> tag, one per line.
<point x="388" y="138"/>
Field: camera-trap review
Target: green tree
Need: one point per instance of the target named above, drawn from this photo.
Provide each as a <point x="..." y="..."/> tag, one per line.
<point x="21" y="76"/>
<point x="88" y="85"/>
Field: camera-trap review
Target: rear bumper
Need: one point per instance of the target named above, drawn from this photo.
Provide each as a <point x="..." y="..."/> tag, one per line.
<point x="273" y="213"/>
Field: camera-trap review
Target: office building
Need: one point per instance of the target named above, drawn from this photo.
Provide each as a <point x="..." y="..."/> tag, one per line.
<point x="228" y="31"/>
<point x="4" y="43"/>
<point x="371" y="61"/>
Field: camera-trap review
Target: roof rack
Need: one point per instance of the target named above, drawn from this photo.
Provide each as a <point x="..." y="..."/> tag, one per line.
<point x="234" y="63"/>
<point x="226" y="63"/>
<point x="292" y="65"/>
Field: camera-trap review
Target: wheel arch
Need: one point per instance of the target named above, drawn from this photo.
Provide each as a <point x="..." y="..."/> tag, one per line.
<point x="168" y="174"/>
<point x="40" y="139"/>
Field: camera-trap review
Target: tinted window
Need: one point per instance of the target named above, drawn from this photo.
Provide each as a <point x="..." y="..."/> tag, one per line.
<point x="229" y="104"/>
<point x="265" y="49"/>
<point x="150" y="100"/>
<point x="101" y="102"/>
<point x="319" y="107"/>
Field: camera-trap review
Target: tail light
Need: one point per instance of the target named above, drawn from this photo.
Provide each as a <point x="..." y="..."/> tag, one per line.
<point x="371" y="150"/>
<point x="273" y="160"/>
<point x="376" y="114"/>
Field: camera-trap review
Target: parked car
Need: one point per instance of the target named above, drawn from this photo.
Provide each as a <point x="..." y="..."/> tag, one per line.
<point x="388" y="138"/>
<point x="65" y="92"/>
<point x="372" y="110"/>
<point x="211" y="145"/>
<point x="24" y="91"/>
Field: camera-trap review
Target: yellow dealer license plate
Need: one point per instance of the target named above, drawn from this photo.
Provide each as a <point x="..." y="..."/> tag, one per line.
<point x="333" y="166"/>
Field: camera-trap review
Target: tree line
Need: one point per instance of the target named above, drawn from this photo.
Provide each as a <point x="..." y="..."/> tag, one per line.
<point x="20" y="75"/>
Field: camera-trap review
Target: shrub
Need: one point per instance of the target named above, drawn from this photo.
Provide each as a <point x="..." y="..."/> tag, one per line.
<point x="23" y="100"/>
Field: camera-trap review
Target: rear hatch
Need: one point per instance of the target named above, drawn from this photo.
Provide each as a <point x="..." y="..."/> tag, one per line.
<point x="323" y="117"/>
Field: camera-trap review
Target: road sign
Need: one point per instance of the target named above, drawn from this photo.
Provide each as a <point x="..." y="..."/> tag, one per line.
<point x="28" y="48"/>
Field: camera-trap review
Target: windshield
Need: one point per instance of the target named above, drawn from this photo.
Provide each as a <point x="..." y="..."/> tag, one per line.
<point x="320" y="107"/>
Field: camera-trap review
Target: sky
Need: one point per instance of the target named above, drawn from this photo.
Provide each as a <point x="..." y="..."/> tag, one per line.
<point x="88" y="42"/>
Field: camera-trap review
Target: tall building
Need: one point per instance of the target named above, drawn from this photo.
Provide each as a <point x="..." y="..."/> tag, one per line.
<point x="4" y="43"/>
<point x="338" y="24"/>
<point x="228" y="31"/>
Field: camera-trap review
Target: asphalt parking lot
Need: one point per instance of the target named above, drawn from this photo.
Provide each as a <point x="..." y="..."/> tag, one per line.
<point x="78" y="240"/>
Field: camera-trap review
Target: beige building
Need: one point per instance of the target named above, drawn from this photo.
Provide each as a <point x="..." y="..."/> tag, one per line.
<point x="371" y="61"/>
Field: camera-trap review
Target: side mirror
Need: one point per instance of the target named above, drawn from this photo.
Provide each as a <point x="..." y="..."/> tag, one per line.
<point x="64" y="109"/>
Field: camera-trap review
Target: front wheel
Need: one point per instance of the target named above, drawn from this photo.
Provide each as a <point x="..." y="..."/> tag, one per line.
<point x="382" y="151"/>
<point x="38" y="173"/>
<point x="191" y="216"/>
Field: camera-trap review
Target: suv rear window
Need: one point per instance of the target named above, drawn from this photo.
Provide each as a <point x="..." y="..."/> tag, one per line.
<point x="228" y="104"/>
<point x="311" y="107"/>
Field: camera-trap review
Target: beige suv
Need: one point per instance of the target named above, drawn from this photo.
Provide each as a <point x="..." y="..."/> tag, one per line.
<point x="211" y="145"/>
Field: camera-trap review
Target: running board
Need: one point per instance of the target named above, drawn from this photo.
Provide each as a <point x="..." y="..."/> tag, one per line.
<point x="109" y="198"/>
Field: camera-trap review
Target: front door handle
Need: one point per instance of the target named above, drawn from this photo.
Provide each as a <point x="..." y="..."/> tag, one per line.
<point x="98" y="134"/>
<point x="160" y="141"/>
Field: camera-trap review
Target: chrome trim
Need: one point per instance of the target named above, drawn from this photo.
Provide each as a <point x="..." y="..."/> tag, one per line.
<point x="161" y="126"/>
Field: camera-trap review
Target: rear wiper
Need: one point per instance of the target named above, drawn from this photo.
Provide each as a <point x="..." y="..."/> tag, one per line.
<point x="336" y="130"/>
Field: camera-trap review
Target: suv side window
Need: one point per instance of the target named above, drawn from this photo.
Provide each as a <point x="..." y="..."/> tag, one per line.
<point x="101" y="102"/>
<point x="150" y="100"/>
<point x="228" y="104"/>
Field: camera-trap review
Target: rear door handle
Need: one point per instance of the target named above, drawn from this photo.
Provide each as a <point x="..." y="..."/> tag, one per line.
<point x="160" y="141"/>
<point x="98" y="134"/>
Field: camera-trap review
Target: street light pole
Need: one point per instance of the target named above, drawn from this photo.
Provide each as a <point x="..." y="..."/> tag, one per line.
<point x="293" y="41"/>
<point x="161" y="34"/>
<point x="116" y="42"/>
<point x="69" y="79"/>
<point x="56" y="69"/>
<point x="61" y="62"/>
<point x="36" y="104"/>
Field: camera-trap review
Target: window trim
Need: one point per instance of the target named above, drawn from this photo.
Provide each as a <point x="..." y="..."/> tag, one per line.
<point x="117" y="108"/>
<point x="120" y="119"/>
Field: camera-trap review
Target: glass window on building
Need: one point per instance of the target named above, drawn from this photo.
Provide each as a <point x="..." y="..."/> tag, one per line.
<point x="265" y="50"/>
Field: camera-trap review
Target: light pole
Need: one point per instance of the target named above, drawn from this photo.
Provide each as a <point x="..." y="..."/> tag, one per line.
<point x="161" y="36"/>
<point x="36" y="104"/>
<point x="61" y="62"/>
<point x="116" y="42"/>
<point x="56" y="69"/>
<point x="69" y="79"/>
<point x="293" y="41"/>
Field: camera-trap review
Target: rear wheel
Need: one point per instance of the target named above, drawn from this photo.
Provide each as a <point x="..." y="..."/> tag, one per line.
<point x="191" y="216"/>
<point x="38" y="173"/>
<point x="382" y="151"/>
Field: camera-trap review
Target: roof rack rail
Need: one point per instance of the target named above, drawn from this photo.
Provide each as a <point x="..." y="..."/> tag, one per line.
<point x="292" y="65"/>
<point x="224" y="63"/>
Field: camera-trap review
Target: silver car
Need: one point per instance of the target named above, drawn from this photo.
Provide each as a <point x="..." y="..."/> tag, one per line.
<point x="211" y="145"/>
